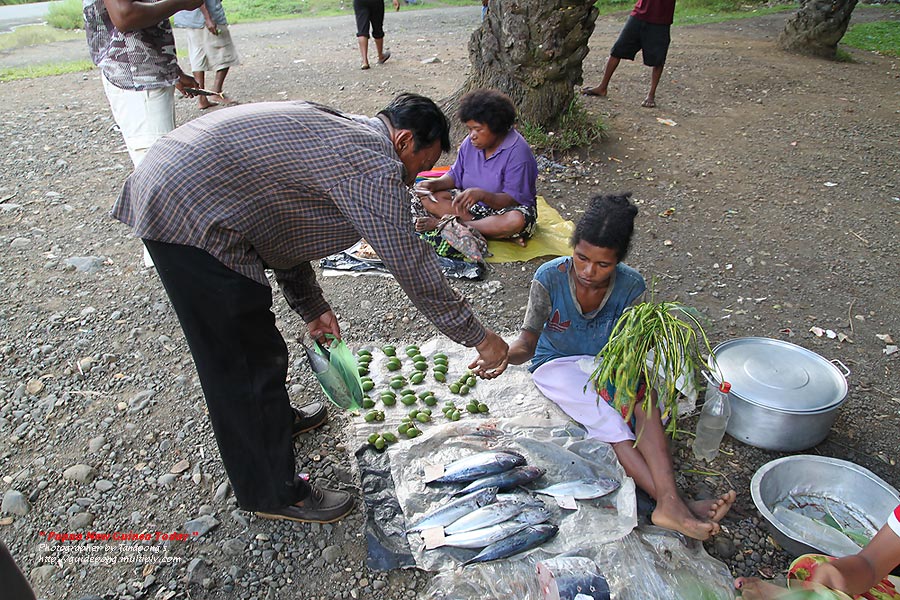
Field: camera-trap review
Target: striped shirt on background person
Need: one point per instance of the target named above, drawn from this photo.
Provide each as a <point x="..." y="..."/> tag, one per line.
<point x="279" y="184"/>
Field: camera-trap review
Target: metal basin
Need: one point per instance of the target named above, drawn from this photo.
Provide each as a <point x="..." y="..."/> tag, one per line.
<point x="857" y="498"/>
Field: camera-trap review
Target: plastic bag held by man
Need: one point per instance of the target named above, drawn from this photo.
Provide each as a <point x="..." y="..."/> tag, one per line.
<point x="335" y="368"/>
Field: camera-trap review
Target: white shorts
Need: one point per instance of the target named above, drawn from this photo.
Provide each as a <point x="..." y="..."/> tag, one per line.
<point x="142" y="116"/>
<point x="563" y="381"/>
<point x="210" y="52"/>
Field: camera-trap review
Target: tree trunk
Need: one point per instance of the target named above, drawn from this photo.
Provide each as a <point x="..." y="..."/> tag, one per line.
<point x="532" y="50"/>
<point x="817" y="27"/>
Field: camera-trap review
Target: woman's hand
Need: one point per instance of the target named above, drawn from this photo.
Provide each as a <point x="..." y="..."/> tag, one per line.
<point x="325" y="323"/>
<point x="466" y="199"/>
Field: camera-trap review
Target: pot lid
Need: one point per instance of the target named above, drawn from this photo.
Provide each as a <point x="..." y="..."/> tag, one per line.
<point x="776" y="374"/>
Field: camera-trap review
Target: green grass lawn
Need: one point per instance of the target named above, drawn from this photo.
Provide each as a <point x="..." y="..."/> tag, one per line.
<point x="33" y="72"/>
<point x="882" y="37"/>
<point x="32" y="35"/>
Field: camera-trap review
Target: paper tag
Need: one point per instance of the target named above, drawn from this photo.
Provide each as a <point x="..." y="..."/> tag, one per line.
<point x="567" y="502"/>
<point x="434" y="537"/>
<point x="433" y="472"/>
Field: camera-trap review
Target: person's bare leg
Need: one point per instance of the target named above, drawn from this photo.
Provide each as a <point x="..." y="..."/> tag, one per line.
<point x="202" y="101"/>
<point x="382" y="55"/>
<point x="671" y="512"/>
<point x="611" y="65"/>
<point x="498" y="227"/>
<point x="713" y="509"/>
<point x="754" y="588"/>
<point x="363" y="42"/>
<point x="655" y="74"/>
<point x="219" y="85"/>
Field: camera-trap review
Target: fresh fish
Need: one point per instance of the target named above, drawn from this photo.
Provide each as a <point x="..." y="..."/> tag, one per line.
<point x="478" y="465"/>
<point x="506" y="480"/>
<point x="479" y="538"/>
<point x="581" y="489"/>
<point x="486" y="516"/>
<point x="450" y="512"/>
<point x="526" y="539"/>
<point x="333" y="384"/>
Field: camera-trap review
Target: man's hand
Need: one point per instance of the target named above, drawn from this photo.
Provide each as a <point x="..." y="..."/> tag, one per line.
<point x="396" y="4"/>
<point x="212" y="27"/>
<point x="325" y="323"/>
<point x="186" y="81"/>
<point x="493" y="356"/>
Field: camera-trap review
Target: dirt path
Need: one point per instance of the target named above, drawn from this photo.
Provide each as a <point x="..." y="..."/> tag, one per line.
<point x="782" y="173"/>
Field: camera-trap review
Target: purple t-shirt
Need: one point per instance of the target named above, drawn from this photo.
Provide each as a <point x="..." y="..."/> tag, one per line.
<point x="511" y="169"/>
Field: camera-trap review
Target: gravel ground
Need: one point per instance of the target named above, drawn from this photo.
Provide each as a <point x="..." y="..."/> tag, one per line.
<point x="102" y="424"/>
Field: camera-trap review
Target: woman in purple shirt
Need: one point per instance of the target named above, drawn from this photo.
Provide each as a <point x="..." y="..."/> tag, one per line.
<point x="491" y="186"/>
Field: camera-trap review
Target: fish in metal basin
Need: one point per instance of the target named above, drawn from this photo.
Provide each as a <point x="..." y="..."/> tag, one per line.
<point x="479" y="538"/>
<point x="496" y="512"/>
<point x="581" y="489"/>
<point x="506" y="480"/>
<point x="530" y="537"/>
<point x="479" y="465"/>
<point x="450" y="512"/>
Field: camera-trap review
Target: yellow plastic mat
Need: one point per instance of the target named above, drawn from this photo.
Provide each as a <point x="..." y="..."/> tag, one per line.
<point x="551" y="238"/>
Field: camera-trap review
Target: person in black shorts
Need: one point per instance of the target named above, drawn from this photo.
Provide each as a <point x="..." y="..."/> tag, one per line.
<point x="371" y="12"/>
<point x="647" y="30"/>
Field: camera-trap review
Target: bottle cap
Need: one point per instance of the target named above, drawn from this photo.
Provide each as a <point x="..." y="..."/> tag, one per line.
<point x="725" y="387"/>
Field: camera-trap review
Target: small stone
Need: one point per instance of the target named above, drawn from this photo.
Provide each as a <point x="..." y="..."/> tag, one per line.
<point x="15" y="503"/>
<point x="332" y="554"/>
<point x="201" y="525"/>
<point x="197" y="570"/>
<point x="81" y="520"/>
<point x="81" y="473"/>
<point x="239" y="516"/>
<point x="431" y="61"/>
<point x="180" y="467"/>
<point x="166" y="480"/>
<point x="34" y="387"/>
<point x="233" y="546"/>
<point x="221" y="492"/>
<point x="724" y="547"/>
<point x="85" y="264"/>
<point x="20" y="243"/>
<point x="95" y="444"/>
<point x="42" y="573"/>
<point x="104" y="485"/>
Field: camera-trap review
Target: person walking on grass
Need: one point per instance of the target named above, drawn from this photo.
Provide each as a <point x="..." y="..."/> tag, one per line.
<point x="647" y="30"/>
<point x="371" y="13"/>
<point x="209" y="47"/>
<point x="277" y="185"/>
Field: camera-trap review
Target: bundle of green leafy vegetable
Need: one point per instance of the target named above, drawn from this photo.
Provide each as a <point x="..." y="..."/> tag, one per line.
<point x="672" y="333"/>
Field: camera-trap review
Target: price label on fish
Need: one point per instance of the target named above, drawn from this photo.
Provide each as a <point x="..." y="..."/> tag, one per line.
<point x="433" y="472"/>
<point x="567" y="502"/>
<point x="433" y="537"/>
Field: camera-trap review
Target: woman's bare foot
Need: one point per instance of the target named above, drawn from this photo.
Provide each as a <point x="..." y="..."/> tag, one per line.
<point x="594" y="91"/>
<point x="426" y="224"/>
<point x="649" y="102"/>
<point x="674" y="514"/>
<point x="204" y="103"/>
<point x="713" y="509"/>
<point x="754" y="588"/>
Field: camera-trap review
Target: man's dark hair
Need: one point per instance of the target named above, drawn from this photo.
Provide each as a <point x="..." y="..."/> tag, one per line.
<point x="607" y="223"/>
<point x="490" y="107"/>
<point x="422" y="117"/>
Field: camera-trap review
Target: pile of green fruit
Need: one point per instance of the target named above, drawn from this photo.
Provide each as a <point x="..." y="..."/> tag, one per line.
<point x="381" y="440"/>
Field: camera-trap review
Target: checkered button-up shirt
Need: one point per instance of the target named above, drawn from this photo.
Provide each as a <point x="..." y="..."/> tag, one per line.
<point x="279" y="184"/>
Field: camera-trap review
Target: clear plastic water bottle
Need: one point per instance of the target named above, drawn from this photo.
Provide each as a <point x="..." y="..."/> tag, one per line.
<point x="713" y="420"/>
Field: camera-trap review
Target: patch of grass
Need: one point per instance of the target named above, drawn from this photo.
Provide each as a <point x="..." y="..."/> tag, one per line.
<point x="576" y="128"/>
<point x="35" y="71"/>
<point x="882" y="37"/>
<point x="9" y="2"/>
<point x="693" y="12"/>
<point x="243" y="11"/>
<point x="32" y="35"/>
<point x="66" y="15"/>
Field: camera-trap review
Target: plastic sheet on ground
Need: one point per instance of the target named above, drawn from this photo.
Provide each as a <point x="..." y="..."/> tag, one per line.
<point x="344" y="264"/>
<point x="520" y="418"/>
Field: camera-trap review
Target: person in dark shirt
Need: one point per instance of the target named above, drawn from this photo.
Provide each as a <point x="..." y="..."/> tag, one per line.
<point x="648" y="30"/>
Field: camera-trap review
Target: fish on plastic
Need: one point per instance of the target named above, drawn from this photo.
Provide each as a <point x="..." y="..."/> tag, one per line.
<point x="505" y="481"/>
<point x="480" y="538"/>
<point x="581" y="489"/>
<point x="451" y="511"/>
<point x="496" y="512"/>
<point x="481" y="464"/>
<point x="526" y="539"/>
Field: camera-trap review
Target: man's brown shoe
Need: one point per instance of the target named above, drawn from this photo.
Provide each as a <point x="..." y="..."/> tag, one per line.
<point x="322" y="506"/>
<point x="307" y="418"/>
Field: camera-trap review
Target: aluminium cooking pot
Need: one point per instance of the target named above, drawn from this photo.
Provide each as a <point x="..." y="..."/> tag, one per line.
<point x="783" y="397"/>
